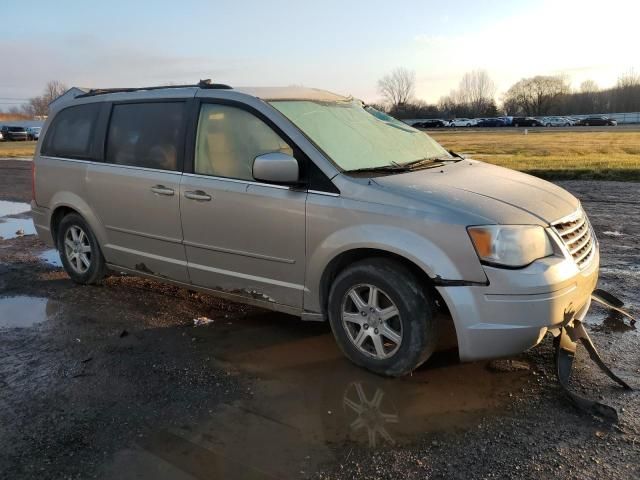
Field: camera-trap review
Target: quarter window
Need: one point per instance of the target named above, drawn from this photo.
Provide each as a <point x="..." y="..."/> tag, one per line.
<point x="72" y="132"/>
<point x="146" y="135"/>
<point x="229" y="139"/>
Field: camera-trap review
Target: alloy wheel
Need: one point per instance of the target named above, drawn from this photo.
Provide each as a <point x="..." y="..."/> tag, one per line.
<point x="372" y="321"/>
<point x="77" y="249"/>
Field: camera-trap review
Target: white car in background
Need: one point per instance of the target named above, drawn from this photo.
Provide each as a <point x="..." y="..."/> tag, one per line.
<point x="462" y="122"/>
<point x="556" y="122"/>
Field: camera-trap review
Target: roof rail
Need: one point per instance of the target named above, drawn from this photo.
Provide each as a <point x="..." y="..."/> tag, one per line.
<point x="206" y="84"/>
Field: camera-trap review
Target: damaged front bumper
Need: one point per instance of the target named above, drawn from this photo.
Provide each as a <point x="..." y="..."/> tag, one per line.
<point x="566" y="338"/>
<point x="516" y="309"/>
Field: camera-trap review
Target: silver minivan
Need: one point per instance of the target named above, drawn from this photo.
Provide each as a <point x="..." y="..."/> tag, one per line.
<point x="314" y="204"/>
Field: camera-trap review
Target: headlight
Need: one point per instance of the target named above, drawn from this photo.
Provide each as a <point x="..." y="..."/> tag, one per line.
<point x="510" y="245"/>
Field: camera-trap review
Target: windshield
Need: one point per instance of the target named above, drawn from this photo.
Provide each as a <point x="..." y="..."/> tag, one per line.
<point x="357" y="137"/>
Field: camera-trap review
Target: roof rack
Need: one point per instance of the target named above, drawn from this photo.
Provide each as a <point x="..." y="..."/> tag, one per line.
<point x="206" y="84"/>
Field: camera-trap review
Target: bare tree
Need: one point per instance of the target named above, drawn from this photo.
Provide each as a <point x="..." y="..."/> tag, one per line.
<point x="53" y="90"/>
<point x="398" y="87"/>
<point x="477" y="90"/>
<point x="39" y="106"/>
<point x="589" y="86"/>
<point x="630" y="79"/>
<point x="537" y="95"/>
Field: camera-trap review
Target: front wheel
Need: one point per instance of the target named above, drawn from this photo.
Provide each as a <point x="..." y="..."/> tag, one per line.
<point x="79" y="250"/>
<point x="382" y="317"/>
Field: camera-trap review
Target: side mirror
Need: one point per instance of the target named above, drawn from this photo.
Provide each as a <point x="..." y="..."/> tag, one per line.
<point x="276" y="167"/>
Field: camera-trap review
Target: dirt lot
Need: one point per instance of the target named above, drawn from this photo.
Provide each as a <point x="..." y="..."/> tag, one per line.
<point x="115" y="381"/>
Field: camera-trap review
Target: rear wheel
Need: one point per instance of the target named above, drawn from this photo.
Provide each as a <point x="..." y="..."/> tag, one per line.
<point x="382" y="317"/>
<point x="79" y="250"/>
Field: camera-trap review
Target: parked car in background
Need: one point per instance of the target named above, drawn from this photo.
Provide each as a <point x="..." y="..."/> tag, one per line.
<point x="556" y="122"/>
<point x="33" y="133"/>
<point x="433" y="123"/>
<point x="526" y="122"/>
<point x="13" y="133"/>
<point x="490" y="122"/>
<point x="508" y="121"/>
<point x="1" y="136"/>
<point x="462" y="122"/>
<point x="597" y="120"/>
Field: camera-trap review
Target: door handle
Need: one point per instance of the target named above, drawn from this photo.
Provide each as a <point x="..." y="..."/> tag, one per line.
<point x="162" y="190"/>
<point x="198" y="195"/>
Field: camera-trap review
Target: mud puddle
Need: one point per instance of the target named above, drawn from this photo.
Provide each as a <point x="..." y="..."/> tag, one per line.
<point x="22" y="311"/>
<point x="15" y="220"/>
<point x="309" y="402"/>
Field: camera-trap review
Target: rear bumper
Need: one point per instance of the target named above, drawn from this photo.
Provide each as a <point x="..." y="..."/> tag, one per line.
<point x="518" y="307"/>
<point x="42" y="221"/>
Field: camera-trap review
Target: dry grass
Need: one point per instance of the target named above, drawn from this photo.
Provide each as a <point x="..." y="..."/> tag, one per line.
<point x="17" y="149"/>
<point x="607" y="155"/>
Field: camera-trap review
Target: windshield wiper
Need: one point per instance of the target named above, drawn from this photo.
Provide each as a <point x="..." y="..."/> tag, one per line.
<point x="430" y="162"/>
<point x="394" y="167"/>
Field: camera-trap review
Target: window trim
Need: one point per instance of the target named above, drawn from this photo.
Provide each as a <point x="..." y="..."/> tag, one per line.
<point x="180" y="147"/>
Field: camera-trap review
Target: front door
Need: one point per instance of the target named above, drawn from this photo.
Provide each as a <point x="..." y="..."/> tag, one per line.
<point x="241" y="236"/>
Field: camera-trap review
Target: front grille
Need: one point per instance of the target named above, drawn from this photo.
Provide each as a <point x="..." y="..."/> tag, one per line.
<point x="577" y="235"/>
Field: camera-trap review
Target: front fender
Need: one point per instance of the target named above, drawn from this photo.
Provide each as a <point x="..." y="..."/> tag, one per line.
<point x="416" y="248"/>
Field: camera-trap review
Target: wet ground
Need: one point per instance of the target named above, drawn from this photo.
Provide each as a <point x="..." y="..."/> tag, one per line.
<point x="116" y="381"/>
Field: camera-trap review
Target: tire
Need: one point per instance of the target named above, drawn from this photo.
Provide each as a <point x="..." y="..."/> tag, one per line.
<point x="73" y="228"/>
<point x="516" y="125"/>
<point x="413" y="324"/>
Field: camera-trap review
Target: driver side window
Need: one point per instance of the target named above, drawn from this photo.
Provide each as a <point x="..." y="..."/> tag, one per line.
<point x="228" y="140"/>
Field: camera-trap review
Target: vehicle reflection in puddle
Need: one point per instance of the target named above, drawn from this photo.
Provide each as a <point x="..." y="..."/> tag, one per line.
<point x="22" y="311"/>
<point x="12" y="227"/>
<point x="51" y="257"/>
<point x="309" y="403"/>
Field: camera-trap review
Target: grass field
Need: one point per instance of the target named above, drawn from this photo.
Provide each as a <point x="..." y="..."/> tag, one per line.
<point x="17" y="149"/>
<point x="605" y="155"/>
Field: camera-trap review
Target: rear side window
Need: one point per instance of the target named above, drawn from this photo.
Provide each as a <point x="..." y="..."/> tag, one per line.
<point x="72" y="132"/>
<point x="146" y="135"/>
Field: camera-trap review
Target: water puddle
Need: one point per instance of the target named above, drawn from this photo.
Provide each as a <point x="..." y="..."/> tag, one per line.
<point x="13" y="208"/>
<point x="16" y="227"/>
<point x="14" y="220"/>
<point x="308" y="402"/>
<point x="51" y="257"/>
<point x="22" y="311"/>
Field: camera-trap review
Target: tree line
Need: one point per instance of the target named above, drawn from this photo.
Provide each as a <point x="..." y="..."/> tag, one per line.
<point x="475" y="96"/>
<point x="540" y="95"/>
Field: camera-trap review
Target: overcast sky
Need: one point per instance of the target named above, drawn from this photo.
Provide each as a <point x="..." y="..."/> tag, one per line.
<point x="341" y="46"/>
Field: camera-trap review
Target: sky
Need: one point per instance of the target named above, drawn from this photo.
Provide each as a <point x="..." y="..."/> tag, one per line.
<point x="343" y="46"/>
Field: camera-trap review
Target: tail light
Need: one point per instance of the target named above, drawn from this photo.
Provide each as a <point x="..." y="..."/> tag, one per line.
<point x="33" y="181"/>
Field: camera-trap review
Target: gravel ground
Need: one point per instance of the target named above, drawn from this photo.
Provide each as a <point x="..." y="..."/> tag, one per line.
<point x="115" y="381"/>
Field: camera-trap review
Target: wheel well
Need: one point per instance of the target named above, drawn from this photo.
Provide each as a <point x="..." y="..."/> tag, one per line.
<point x="447" y="338"/>
<point x="339" y="263"/>
<point x="58" y="214"/>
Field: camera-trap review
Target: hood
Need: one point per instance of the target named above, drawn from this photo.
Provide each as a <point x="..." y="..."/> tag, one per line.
<point x="493" y="192"/>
